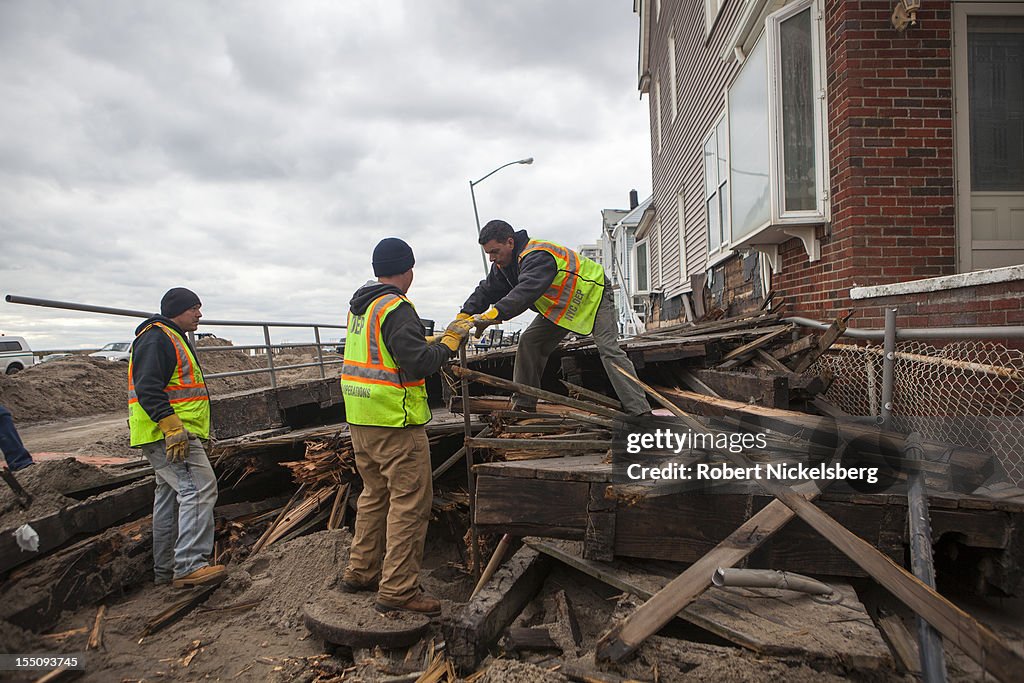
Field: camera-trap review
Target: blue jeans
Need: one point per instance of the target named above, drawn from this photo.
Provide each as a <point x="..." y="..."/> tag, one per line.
<point x="15" y="453"/>
<point x="186" y="493"/>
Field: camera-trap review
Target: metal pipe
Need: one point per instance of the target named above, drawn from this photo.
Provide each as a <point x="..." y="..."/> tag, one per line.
<point x="87" y="308"/>
<point x="277" y="368"/>
<point x="270" y="357"/>
<point x="319" y="352"/>
<point x="933" y="660"/>
<point x="470" y="479"/>
<point x="769" y="578"/>
<point x="247" y="347"/>
<point x="476" y="215"/>
<point x="888" y="368"/>
<point x="922" y="333"/>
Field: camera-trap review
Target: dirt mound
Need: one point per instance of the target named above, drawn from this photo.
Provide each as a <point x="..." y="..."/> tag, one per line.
<point x="46" y="481"/>
<point x="515" y="671"/>
<point x="75" y="386"/>
<point x="284" y="577"/>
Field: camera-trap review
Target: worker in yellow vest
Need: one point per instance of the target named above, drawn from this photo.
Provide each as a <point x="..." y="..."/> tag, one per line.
<point x="569" y="293"/>
<point x="387" y="360"/>
<point x="168" y="418"/>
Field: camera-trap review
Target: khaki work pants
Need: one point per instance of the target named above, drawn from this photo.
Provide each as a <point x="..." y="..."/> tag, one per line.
<point x="394" y="509"/>
<point x="542" y="337"/>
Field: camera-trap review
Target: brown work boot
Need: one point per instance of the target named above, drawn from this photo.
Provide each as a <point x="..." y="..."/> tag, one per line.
<point x="214" y="573"/>
<point x="421" y="603"/>
<point x="354" y="587"/>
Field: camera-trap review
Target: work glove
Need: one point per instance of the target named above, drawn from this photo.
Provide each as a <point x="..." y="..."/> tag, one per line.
<point x="175" y="438"/>
<point x="463" y="316"/>
<point x="485" y="320"/>
<point x="455" y="335"/>
<point x="433" y="338"/>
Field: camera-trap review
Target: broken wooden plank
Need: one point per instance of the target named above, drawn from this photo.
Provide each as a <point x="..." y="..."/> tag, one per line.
<point x="730" y="359"/>
<point x="826" y="340"/>
<point x="577" y="391"/>
<point x="766" y="621"/>
<point x="791" y="349"/>
<point x="508" y="385"/>
<point x="991" y="652"/>
<point x="177" y="611"/>
<point x="559" y="446"/>
<point x="95" y="641"/>
<point x="771" y="391"/>
<point x="81" y="519"/>
<point x="902" y="644"/>
<point x="479" y="623"/>
<point x="520" y="639"/>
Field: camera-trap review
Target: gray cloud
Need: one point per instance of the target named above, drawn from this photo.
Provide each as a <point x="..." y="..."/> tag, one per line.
<point x="257" y="151"/>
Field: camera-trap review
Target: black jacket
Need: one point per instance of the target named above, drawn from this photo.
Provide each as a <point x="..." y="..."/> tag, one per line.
<point x="403" y="333"/>
<point x="514" y="289"/>
<point x="153" y="363"/>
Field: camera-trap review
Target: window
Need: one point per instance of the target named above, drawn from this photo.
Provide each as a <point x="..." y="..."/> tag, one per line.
<point x="716" y="187"/>
<point x="10" y="346"/>
<point x="642" y="265"/>
<point x="775" y="115"/>
<point x="672" y="73"/>
<point x="657" y="110"/>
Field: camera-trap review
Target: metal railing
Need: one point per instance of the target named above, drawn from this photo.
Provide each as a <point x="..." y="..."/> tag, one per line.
<point x="957" y="385"/>
<point x="268" y="347"/>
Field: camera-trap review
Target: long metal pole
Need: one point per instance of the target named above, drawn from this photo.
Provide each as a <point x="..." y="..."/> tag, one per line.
<point x="888" y="368"/>
<point x="319" y="353"/>
<point x="471" y="480"/>
<point x="933" y="660"/>
<point x="270" y="357"/>
<point x="476" y="215"/>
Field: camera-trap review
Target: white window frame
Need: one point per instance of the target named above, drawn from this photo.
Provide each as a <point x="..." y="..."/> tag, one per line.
<point x="636" y="262"/>
<point x="673" y="88"/>
<point x="657" y="109"/>
<point x="723" y="249"/>
<point x="782" y="225"/>
<point x="712" y="10"/>
<point x="779" y="215"/>
<point x="660" y="284"/>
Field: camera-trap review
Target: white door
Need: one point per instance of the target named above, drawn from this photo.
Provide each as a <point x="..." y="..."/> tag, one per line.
<point x="988" y="56"/>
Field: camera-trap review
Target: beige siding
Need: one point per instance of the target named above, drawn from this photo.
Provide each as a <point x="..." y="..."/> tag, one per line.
<point x="702" y="76"/>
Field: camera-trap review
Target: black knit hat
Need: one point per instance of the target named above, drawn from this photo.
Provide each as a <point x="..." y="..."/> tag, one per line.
<point x="178" y="300"/>
<point x="392" y="256"/>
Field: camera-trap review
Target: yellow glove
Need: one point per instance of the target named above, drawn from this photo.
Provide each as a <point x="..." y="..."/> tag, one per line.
<point x="433" y="338"/>
<point x="175" y="438"/>
<point x="456" y="333"/>
<point x="485" y="320"/>
<point x="463" y="316"/>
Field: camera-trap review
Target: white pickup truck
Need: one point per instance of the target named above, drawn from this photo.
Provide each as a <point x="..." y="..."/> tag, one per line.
<point x="15" y="354"/>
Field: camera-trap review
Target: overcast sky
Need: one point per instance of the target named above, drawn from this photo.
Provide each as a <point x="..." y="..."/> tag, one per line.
<point x="255" y="152"/>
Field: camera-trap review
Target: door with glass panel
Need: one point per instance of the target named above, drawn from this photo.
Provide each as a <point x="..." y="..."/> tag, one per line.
<point x="989" y="121"/>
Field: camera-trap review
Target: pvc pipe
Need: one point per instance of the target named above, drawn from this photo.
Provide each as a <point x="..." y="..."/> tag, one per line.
<point x="769" y="578"/>
<point x="1007" y="332"/>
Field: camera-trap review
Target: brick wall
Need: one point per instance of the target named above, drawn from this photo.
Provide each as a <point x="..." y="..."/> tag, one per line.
<point x="891" y="160"/>
<point x="1000" y="303"/>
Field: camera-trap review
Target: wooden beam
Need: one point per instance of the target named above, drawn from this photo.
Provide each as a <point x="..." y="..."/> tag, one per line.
<point x="625" y="637"/>
<point x="958" y="627"/>
<point x="479" y="623"/>
<point x="555" y="445"/>
<point x="756" y="344"/>
<point x="577" y="391"/>
<point x="508" y="385"/>
<point x="826" y="340"/>
<point x="791" y="349"/>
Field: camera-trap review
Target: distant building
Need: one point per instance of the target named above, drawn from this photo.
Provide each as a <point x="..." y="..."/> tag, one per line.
<point x="627" y="263"/>
<point x="592" y="251"/>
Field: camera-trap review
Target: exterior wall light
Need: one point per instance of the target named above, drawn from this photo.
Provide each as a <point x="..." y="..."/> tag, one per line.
<point x="904" y="14"/>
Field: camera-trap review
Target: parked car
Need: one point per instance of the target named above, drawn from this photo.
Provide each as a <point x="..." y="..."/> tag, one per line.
<point x="15" y="354"/>
<point x="114" y="351"/>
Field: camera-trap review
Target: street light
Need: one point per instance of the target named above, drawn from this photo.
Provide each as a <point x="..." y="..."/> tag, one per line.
<point x="472" y="183"/>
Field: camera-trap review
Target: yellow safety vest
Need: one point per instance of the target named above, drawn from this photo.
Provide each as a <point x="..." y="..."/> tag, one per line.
<point x="575" y="294"/>
<point x="186" y="391"/>
<point x="376" y="391"/>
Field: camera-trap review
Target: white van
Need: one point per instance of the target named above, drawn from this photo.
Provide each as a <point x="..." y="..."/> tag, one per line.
<point x="14" y="354"/>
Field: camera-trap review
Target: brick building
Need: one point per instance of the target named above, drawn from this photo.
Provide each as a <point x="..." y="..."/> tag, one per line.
<point x="811" y="148"/>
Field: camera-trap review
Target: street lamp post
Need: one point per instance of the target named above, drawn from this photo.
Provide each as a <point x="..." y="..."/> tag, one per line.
<point x="476" y="215"/>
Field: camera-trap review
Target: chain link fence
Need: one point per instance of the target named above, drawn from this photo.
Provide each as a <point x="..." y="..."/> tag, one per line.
<point x="969" y="393"/>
